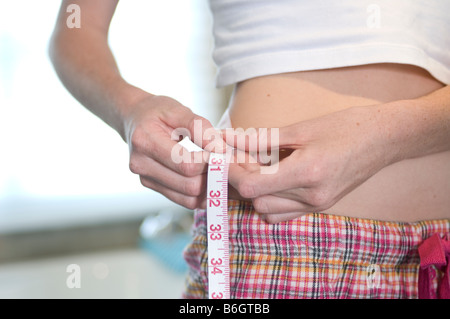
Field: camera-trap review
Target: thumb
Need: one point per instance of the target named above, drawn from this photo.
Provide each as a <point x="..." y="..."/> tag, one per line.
<point x="205" y="135"/>
<point x="200" y="132"/>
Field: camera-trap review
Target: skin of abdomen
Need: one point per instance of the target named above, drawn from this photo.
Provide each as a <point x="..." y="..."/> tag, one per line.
<point x="407" y="191"/>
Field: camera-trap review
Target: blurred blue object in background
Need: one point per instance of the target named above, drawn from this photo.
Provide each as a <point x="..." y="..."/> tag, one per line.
<point x="165" y="235"/>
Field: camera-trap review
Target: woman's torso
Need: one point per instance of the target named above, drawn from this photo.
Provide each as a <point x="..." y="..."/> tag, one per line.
<point x="411" y="190"/>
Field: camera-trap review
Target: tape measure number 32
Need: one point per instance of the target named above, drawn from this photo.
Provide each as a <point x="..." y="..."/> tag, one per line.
<point x="217" y="223"/>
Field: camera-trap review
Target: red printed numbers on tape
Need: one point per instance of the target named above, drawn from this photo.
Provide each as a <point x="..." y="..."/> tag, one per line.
<point x="217" y="219"/>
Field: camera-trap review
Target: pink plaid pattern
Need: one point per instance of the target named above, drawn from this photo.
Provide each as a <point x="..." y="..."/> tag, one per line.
<point x="315" y="256"/>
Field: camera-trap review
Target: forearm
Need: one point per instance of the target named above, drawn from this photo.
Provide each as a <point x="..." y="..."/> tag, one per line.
<point x="86" y="66"/>
<point x="414" y="128"/>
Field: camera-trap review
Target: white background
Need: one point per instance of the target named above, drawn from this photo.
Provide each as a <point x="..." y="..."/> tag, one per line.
<point x="59" y="164"/>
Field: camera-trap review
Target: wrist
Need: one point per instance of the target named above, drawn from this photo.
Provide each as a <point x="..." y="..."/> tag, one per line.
<point x="405" y="129"/>
<point x="126" y="101"/>
<point x="382" y="132"/>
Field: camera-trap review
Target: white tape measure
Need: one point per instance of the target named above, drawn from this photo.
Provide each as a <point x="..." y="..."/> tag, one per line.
<point x="217" y="223"/>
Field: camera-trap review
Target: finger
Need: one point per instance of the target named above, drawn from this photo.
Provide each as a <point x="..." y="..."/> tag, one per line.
<point x="261" y="139"/>
<point x="245" y="160"/>
<point x="190" y="202"/>
<point x="199" y="130"/>
<point x="270" y="204"/>
<point x="265" y="180"/>
<point x="279" y="218"/>
<point x="277" y="209"/>
<point x="171" y="154"/>
<point x="241" y="165"/>
<point x="315" y="198"/>
<point x="151" y="169"/>
<point x="234" y="194"/>
<point x="296" y="194"/>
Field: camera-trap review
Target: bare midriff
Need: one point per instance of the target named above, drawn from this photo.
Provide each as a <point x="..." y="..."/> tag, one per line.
<point x="407" y="191"/>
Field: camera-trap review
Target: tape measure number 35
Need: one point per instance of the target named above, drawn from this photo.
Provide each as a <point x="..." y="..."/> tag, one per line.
<point x="217" y="223"/>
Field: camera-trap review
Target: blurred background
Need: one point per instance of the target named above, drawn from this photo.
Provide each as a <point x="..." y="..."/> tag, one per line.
<point x="67" y="196"/>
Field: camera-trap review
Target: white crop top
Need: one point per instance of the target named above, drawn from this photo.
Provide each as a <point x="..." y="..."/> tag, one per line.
<point x="261" y="37"/>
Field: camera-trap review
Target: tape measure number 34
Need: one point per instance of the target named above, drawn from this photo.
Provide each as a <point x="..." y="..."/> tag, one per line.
<point x="217" y="223"/>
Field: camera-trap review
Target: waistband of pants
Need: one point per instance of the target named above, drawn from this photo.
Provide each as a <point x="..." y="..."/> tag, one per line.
<point x="326" y="236"/>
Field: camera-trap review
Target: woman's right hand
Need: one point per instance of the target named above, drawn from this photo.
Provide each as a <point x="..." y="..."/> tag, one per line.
<point x="153" y="144"/>
<point x="84" y="62"/>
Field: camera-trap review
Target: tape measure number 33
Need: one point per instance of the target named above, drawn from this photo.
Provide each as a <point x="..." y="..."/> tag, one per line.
<point x="217" y="223"/>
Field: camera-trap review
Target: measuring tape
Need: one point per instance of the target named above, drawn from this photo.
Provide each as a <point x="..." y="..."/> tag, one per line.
<point x="217" y="223"/>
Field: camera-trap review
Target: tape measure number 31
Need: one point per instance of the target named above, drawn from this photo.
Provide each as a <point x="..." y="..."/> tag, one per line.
<point x="217" y="223"/>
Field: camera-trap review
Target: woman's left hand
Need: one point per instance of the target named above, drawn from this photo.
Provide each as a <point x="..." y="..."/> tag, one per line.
<point x="331" y="156"/>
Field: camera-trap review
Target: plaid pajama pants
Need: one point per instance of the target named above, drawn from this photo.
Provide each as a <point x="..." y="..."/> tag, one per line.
<point x="315" y="256"/>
